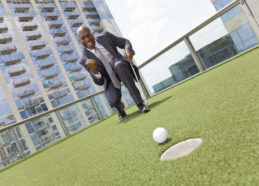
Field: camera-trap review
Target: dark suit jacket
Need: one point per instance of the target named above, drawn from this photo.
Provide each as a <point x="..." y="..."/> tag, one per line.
<point x="110" y="42"/>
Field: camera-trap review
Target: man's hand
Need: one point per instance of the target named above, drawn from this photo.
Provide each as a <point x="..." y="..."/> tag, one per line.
<point x="128" y="55"/>
<point x="91" y="64"/>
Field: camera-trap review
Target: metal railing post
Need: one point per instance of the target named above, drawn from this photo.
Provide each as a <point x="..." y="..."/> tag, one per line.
<point x="194" y="54"/>
<point x="252" y="19"/>
<point x="61" y="122"/>
<point x="96" y="106"/>
<point x="144" y="86"/>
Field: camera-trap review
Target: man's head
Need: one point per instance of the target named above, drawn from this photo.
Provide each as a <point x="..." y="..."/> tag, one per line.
<point x="85" y="37"/>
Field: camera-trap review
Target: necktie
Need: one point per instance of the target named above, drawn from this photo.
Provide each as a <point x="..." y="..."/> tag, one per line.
<point x="108" y="68"/>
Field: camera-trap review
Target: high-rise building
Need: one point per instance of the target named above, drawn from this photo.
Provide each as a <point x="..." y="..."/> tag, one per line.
<point x="39" y="71"/>
<point x="236" y="22"/>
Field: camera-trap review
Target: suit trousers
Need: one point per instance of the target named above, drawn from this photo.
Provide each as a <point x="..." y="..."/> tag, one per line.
<point x="123" y="71"/>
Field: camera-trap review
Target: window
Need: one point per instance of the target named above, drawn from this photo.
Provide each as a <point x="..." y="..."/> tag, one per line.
<point x="219" y="4"/>
<point x="244" y="38"/>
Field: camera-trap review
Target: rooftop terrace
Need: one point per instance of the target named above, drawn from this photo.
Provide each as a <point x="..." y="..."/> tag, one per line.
<point x="221" y="106"/>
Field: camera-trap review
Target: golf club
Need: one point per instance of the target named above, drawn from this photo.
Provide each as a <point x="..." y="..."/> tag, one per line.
<point x="135" y="74"/>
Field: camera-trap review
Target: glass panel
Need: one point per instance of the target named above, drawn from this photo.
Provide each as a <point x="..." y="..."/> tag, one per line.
<point x="10" y="147"/>
<point x="90" y="111"/>
<point x="221" y="40"/>
<point x="170" y="68"/>
<point x="73" y="119"/>
<point x="23" y="140"/>
<point x="44" y="131"/>
<point x="6" y="115"/>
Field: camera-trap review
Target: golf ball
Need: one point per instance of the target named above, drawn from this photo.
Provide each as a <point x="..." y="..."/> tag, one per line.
<point x="160" y="135"/>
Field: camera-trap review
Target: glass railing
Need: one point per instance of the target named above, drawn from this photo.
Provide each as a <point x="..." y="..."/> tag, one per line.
<point x="209" y="44"/>
<point x="195" y="52"/>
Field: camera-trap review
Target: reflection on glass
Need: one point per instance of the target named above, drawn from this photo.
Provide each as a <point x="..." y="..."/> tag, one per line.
<point x="6" y="115"/>
<point x="13" y="147"/>
<point x="90" y="111"/>
<point x="225" y="37"/>
<point x="43" y="131"/>
<point x="72" y="119"/>
<point x="170" y="68"/>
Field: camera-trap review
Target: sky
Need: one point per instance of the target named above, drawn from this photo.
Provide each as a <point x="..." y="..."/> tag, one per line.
<point x="151" y="25"/>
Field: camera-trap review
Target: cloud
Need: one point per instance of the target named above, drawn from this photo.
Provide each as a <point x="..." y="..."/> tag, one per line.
<point x="146" y="9"/>
<point x="156" y="24"/>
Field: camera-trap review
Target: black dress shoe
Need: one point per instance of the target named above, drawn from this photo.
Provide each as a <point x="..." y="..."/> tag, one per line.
<point x="121" y="111"/>
<point x="122" y="115"/>
<point x="143" y="108"/>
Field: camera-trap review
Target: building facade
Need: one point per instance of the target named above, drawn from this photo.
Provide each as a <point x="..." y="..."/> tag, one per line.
<point x="244" y="33"/>
<point x="39" y="71"/>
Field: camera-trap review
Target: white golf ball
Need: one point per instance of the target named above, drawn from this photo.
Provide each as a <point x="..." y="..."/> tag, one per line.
<point x="160" y="135"/>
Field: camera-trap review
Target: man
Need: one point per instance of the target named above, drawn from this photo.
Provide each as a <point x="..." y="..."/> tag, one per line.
<point x="109" y="68"/>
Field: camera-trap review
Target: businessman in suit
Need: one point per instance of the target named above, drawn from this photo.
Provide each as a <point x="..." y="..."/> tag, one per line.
<point x="109" y="68"/>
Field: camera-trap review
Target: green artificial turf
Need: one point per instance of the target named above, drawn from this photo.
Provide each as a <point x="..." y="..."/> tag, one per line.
<point x="220" y="106"/>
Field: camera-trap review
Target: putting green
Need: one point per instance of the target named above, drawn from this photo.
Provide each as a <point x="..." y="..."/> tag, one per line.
<point x="220" y="106"/>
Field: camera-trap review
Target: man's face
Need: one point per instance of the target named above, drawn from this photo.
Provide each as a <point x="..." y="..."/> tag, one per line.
<point x="86" y="38"/>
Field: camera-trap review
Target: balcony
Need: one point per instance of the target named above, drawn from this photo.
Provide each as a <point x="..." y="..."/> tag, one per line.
<point x="71" y="60"/>
<point x="73" y="16"/>
<point x="47" y="8"/>
<point x="45" y="140"/>
<point x="51" y="16"/>
<point x="45" y="64"/>
<point x="31" y="103"/>
<point x="15" y="71"/>
<point x="83" y="87"/>
<point x="68" y="49"/>
<point x="62" y="41"/>
<point x="33" y="36"/>
<point x="69" y="115"/>
<point x="60" y="94"/>
<point x="94" y="21"/>
<point x="55" y="84"/>
<point x="55" y="24"/>
<point x="79" y="78"/>
<point x="30" y="26"/>
<point x="26" y="93"/>
<point x="58" y="32"/>
<point x="97" y="29"/>
<point x="26" y="17"/>
<point x="5" y="38"/>
<point x="51" y="74"/>
<point x="89" y="8"/>
<point x="21" y="82"/>
<point x="92" y="15"/>
<point x="4" y="144"/>
<point x="8" y="49"/>
<point x="1" y="19"/>
<point x="11" y="59"/>
<point x="37" y="45"/>
<point x="3" y="28"/>
<point x="77" y="23"/>
<point x="22" y="8"/>
<point x="41" y="126"/>
<point x="75" y="69"/>
<point x="41" y="54"/>
<point x="69" y="7"/>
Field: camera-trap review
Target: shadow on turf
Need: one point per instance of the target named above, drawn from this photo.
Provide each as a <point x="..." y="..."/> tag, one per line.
<point x="167" y="141"/>
<point x="136" y="113"/>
